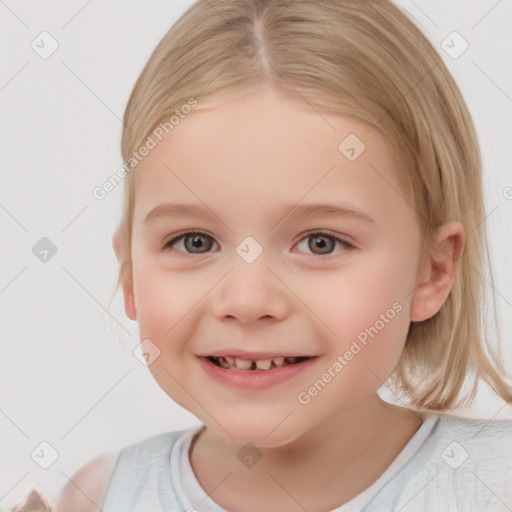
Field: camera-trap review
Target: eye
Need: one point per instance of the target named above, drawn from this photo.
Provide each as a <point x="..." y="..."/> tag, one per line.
<point x="196" y="242"/>
<point x="193" y="242"/>
<point x="323" y="243"/>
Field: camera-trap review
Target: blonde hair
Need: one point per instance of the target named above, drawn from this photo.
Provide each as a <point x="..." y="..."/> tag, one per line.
<point x="364" y="59"/>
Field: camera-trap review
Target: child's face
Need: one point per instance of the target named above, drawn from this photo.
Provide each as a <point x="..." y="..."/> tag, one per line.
<point x="242" y="165"/>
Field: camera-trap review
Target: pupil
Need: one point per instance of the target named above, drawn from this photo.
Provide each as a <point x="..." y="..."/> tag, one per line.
<point x="194" y="242"/>
<point x="320" y="243"/>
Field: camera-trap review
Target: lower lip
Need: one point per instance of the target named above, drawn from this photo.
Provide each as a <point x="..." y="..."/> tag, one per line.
<point x="255" y="379"/>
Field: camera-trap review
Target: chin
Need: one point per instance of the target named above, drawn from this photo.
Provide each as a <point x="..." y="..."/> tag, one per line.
<point x="261" y="433"/>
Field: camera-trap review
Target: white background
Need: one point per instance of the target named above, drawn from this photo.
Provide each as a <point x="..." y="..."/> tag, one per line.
<point x="64" y="378"/>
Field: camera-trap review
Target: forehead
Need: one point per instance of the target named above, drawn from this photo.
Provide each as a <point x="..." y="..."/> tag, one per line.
<point x="262" y="148"/>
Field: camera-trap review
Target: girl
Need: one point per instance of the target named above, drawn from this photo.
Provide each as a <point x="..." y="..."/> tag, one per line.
<point x="302" y="225"/>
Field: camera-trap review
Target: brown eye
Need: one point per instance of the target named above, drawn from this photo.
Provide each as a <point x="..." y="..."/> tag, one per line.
<point x="321" y="244"/>
<point x="325" y="244"/>
<point x="191" y="242"/>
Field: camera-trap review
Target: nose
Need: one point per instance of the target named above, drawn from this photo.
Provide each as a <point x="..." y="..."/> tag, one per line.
<point x="251" y="292"/>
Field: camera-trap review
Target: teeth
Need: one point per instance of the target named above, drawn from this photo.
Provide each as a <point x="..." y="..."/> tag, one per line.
<point x="236" y="363"/>
<point x="223" y="363"/>
<point x="278" y="361"/>
<point x="242" y="364"/>
<point x="264" y="364"/>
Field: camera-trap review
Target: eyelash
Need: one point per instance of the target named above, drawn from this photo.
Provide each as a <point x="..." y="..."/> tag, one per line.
<point x="347" y="246"/>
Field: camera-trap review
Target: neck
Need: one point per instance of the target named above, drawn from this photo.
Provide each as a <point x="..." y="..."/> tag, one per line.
<point x="354" y="446"/>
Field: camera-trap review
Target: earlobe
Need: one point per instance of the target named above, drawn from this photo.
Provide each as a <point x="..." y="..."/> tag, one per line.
<point x="438" y="272"/>
<point x="129" y="302"/>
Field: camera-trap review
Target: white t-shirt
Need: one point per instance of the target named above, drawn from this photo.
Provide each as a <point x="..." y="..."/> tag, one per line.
<point x="193" y="496"/>
<point x="450" y="464"/>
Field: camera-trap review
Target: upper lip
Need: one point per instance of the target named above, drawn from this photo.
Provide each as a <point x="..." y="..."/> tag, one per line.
<point x="242" y="354"/>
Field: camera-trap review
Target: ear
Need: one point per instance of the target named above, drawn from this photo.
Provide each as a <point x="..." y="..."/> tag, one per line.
<point x="437" y="271"/>
<point x="127" y="282"/>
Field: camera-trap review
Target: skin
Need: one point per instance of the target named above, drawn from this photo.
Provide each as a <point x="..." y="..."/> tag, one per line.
<point x="247" y="158"/>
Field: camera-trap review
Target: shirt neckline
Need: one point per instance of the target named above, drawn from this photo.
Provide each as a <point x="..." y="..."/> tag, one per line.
<point x="194" y="497"/>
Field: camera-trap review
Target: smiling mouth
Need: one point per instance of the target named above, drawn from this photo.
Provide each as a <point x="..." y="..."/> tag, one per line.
<point x="235" y="363"/>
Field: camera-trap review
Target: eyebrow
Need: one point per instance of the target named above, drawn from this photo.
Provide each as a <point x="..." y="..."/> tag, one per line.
<point x="300" y="211"/>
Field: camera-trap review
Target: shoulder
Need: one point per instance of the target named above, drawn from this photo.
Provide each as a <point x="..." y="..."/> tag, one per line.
<point x="111" y="475"/>
<point x="85" y="490"/>
<point x="475" y="444"/>
<point x="483" y="434"/>
<point x="465" y="464"/>
<point x="478" y="448"/>
<point x="155" y="448"/>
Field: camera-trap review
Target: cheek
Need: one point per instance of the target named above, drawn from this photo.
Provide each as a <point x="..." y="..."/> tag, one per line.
<point x="370" y="324"/>
<point x="164" y="302"/>
<point x="365" y="309"/>
<point x="349" y="299"/>
<point x="167" y="309"/>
